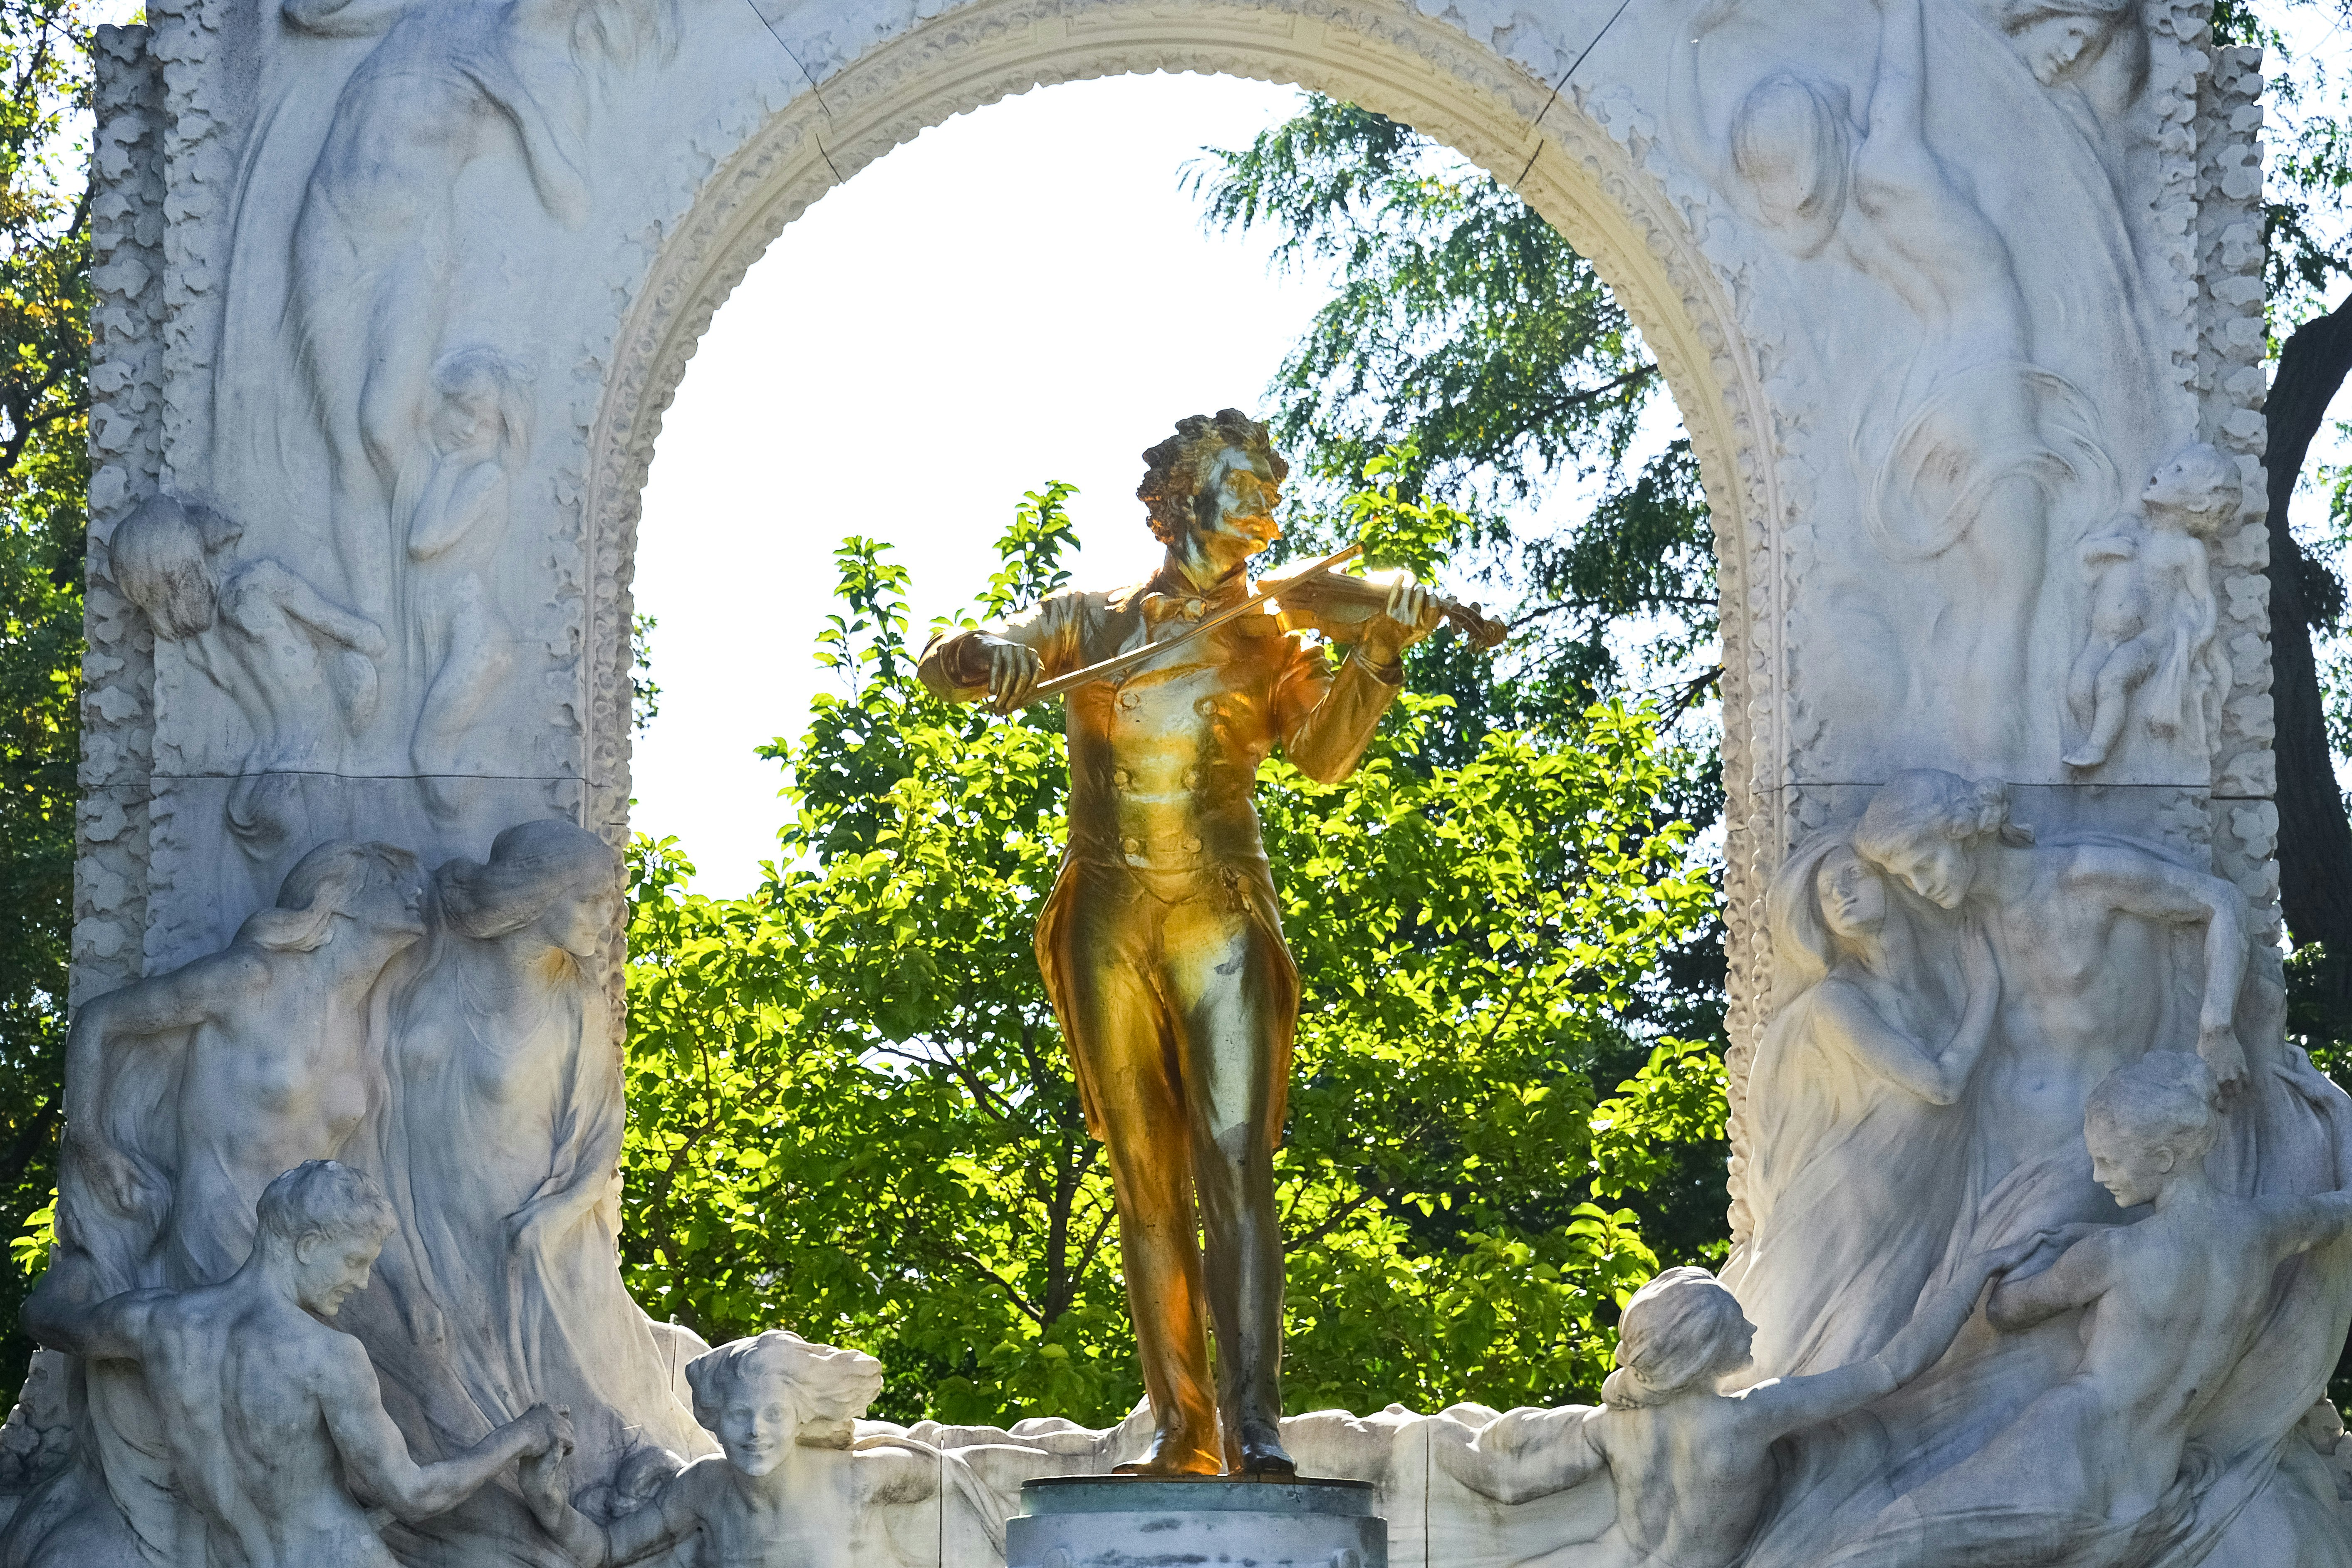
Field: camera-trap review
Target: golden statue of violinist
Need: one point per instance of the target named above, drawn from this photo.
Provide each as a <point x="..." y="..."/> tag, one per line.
<point x="1161" y="944"/>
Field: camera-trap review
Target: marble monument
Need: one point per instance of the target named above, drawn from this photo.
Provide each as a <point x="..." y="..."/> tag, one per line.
<point x="2037" y="1250"/>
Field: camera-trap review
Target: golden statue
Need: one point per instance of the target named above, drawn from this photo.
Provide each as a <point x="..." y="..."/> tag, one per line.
<point x="1161" y="944"/>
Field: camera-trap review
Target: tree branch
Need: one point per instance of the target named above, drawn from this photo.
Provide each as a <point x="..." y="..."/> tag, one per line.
<point x="2315" y="837"/>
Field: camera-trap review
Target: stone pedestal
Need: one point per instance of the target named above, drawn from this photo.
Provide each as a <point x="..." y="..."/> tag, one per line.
<point x="1128" y="1521"/>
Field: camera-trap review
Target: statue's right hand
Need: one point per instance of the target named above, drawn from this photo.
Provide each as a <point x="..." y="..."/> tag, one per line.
<point x="120" y="1179"/>
<point x="548" y="1429"/>
<point x="1012" y="669"/>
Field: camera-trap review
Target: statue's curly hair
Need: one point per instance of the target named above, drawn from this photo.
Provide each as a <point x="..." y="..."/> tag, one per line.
<point x="1176" y="473"/>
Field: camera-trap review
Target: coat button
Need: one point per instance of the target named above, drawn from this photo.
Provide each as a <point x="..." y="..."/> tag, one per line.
<point x="1118" y="778"/>
<point x="1192" y="846"/>
<point x="1206" y="706"/>
<point x="1130" y="846"/>
<point x="1194" y="608"/>
<point x="1192" y="779"/>
<point x="1130" y="701"/>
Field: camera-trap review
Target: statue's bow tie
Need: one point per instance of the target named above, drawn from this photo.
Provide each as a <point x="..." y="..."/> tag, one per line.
<point x="1162" y="608"/>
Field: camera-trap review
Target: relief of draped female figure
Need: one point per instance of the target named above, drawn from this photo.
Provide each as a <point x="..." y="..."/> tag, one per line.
<point x="1857" y="1174"/>
<point x="498" y="1142"/>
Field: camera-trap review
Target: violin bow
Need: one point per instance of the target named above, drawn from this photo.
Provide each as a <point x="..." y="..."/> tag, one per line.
<point x="1120" y="664"/>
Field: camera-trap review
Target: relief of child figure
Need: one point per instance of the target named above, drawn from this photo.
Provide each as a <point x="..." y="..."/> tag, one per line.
<point x="458" y="501"/>
<point x="1693" y="1469"/>
<point x="298" y="666"/>
<point x="795" y="1486"/>
<point x="2153" y="614"/>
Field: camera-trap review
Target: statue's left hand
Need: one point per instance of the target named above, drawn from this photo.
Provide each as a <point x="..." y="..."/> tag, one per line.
<point x="2218" y="1044"/>
<point x="1410" y="616"/>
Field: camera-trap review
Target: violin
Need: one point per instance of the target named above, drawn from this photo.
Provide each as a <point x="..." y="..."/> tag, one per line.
<point x="1315" y="598"/>
<point x="1337" y="603"/>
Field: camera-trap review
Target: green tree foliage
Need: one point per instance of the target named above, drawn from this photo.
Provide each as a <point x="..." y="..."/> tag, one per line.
<point x="851" y="1113"/>
<point x="1473" y="368"/>
<point x="43" y="404"/>
<point x="1465" y="333"/>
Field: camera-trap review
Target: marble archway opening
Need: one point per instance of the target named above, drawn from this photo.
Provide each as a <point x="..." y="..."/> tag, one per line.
<point x="390" y="298"/>
<point x="1570" y="167"/>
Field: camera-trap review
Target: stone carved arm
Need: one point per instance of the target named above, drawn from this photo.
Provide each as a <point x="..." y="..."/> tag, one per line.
<point x="1789" y="1403"/>
<point x="2080" y="1277"/>
<point x="375" y="1456"/>
<point x="2299" y="1223"/>
<point x="1694" y="137"/>
<point x="666" y="1519"/>
<point x="64" y="1312"/>
<point x="315" y="610"/>
<point x="2101" y="550"/>
<point x="1523" y="1454"/>
<point x="478" y="496"/>
<point x="1847" y="1018"/>
<point x="587" y="1153"/>
<point x="551" y="151"/>
<point x="1898" y="103"/>
<point x="344" y="19"/>
<point x="141" y="1014"/>
<point x="2155" y="889"/>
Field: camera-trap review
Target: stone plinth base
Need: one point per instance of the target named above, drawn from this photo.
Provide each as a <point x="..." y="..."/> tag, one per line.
<point x="1121" y="1522"/>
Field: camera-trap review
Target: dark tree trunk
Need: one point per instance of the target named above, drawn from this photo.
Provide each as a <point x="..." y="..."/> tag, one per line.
<point x="2315" y="849"/>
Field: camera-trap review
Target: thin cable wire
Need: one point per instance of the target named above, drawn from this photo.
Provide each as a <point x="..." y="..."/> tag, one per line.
<point x="1563" y="82"/>
<point x="819" y="90"/>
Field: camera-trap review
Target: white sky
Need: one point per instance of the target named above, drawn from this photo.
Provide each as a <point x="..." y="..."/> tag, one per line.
<point x="1021" y="295"/>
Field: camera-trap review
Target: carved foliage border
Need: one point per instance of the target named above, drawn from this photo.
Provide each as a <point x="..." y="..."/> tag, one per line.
<point x="126" y="463"/>
<point x="2232" y="383"/>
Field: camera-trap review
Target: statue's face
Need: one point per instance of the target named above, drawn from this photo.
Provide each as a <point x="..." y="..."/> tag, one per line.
<point x="331" y="1269"/>
<point x="469" y="420"/>
<point x="1936" y="868"/>
<point x="2129" y="1169"/>
<point x="1738" y="1350"/>
<point x="394" y="904"/>
<point x="2182" y="489"/>
<point x="759" y="1423"/>
<point x="2058" y="45"/>
<point x="578" y="921"/>
<point x="1853" y="899"/>
<point x="1243" y="516"/>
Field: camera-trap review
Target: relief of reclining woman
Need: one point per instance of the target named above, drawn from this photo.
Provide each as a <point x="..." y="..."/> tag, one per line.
<point x="498" y="1144"/>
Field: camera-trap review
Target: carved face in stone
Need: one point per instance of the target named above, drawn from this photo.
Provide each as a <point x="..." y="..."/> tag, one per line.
<point x="760" y="1422"/>
<point x="1853" y="897"/>
<point x="469" y="422"/>
<point x="2199" y="491"/>
<point x="2132" y="1169"/>
<point x="577" y="921"/>
<point x="394" y="904"/>
<point x="1792" y="142"/>
<point x="332" y="1267"/>
<point x="1937" y="868"/>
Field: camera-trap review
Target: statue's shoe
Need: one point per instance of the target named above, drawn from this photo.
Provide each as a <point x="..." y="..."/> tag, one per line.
<point x="1173" y="1454"/>
<point x="1262" y="1453"/>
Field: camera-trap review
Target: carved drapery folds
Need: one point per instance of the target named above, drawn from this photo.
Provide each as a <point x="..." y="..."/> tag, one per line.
<point x="1961" y="303"/>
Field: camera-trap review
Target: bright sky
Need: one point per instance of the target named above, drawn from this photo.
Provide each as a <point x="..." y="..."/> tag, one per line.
<point x="1021" y="295"/>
